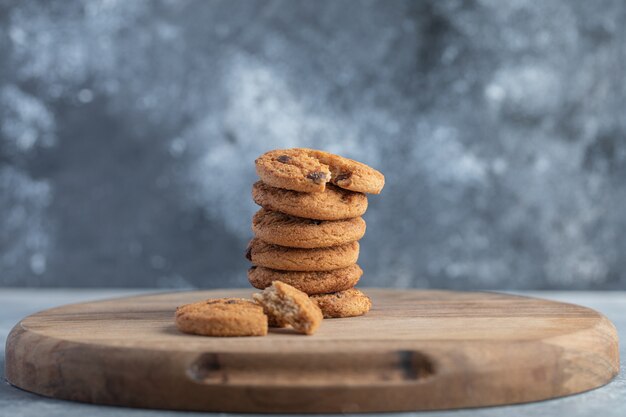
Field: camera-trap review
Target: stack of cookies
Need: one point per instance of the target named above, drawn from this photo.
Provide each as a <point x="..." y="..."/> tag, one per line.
<point x="308" y="227"/>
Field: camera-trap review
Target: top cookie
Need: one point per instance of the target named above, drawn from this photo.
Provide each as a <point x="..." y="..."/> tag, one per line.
<point x="309" y="170"/>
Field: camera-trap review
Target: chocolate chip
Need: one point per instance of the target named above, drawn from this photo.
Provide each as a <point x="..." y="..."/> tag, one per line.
<point x="316" y="176"/>
<point x="231" y="302"/>
<point x="284" y="159"/>
<point x="249" y="253"/>
<point x="343" y="176"/>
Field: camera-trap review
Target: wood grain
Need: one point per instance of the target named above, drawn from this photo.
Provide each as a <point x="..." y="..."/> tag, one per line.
<point x="415" y="350"/>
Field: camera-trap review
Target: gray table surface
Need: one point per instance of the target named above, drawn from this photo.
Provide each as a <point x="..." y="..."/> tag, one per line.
<point x="607" y="401"/>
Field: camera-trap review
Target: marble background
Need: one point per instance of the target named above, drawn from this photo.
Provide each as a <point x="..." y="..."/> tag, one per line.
<point x="128" y="131"/>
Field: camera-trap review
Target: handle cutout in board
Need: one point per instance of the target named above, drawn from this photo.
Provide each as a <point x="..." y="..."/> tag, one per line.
<point x="311" y="369"/>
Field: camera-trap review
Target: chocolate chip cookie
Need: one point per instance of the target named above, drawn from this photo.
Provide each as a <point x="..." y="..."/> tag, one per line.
<point x="285" y="304"/>
<point x="333" y="204"/>
<point x="309" y="170"/>
<point x="350" y="174"/>
<point x="295" y="232"/>
<point x="292" y="169"/>
<point x="348" y="303"/>
<point x="313" y="282"/>
<point x="222" y="317"/>
<point x="295" y="259"/>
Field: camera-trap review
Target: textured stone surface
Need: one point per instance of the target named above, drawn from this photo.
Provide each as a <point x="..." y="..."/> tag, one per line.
<point x="128" y="131"/>
<point x="606" y="401"/>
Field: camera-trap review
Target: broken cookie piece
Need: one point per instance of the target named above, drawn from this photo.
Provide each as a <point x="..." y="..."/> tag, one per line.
<point x="284" y="304"/>
<point x="348" y="173"/>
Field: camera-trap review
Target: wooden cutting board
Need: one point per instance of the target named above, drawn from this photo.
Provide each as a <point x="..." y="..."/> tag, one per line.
<point x="416" y="350"/>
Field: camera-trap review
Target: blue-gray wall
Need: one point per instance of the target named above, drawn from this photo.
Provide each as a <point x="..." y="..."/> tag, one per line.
<point x="128" y="131"/>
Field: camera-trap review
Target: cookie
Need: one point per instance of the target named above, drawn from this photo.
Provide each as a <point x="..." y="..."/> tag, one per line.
<point x="309" y="170"/>
<point x="348" y="303"/>
<point x="292" y="169"/>
<point x="295" y="232"/>
<point x="222" y="317"/>
<point x="314" y="282"/>
<point x="350" y="174"/>
<point x="285" y="304"/>
<point x="295" y="259"/>
<point x="333" y="204"/>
